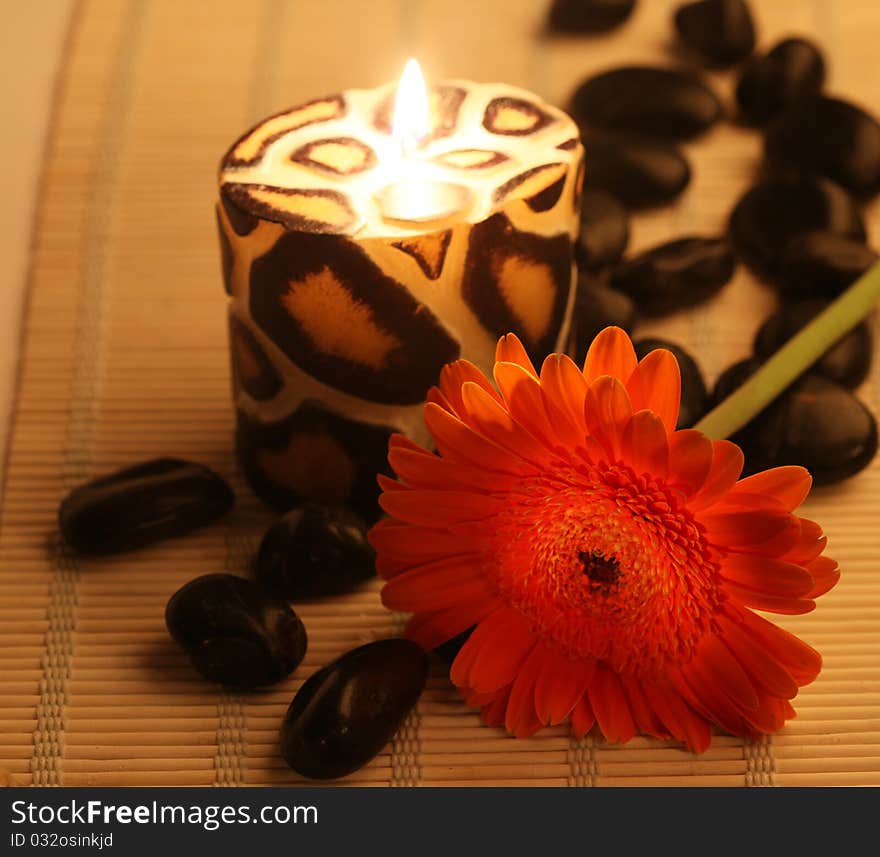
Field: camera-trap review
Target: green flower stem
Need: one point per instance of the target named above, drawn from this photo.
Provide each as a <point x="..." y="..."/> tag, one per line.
<point x="794" y="358"/>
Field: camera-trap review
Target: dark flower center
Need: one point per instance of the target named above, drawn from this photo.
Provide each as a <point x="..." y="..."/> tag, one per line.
<point x="606" y="564"/>
<point x="602" y="571"/>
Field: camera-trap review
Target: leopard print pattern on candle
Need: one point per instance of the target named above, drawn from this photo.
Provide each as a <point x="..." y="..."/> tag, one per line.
<point x="341" y="319"/>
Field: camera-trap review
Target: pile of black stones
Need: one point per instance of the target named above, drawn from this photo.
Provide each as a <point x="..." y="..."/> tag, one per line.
<point x="799" y="228"/>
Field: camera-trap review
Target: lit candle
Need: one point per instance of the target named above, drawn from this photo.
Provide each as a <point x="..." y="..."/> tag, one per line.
<point x="411" y="196"/>
<point x="370" y="237"/>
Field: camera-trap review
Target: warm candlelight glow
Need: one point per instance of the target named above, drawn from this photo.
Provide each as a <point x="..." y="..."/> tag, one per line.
<point x="413" y="196"/>
<point x="411" y="122"/>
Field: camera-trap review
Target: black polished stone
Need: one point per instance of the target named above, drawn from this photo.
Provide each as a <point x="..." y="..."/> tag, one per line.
<point x="720" y="32"/>
<point x="449" y="650"/>
<point x="237" y="632"/>
<point x="828" y="137"/>
<point x="315" y="551"/>
<point x="644" y="100"/>
<point x="675" y="275"/>
<point x="597" y="307"/>
<point x="776" y="210"/>
<point x="640" y="174"/>
<point x="347" y="712"/>
<point x="815" y="423"/>
<point x="793" y="69"/>
<point x="588" y="16"/>
<point x="604" y="230"/>
<point x="732" y="378"/>
<point x="139" y="505"/>
<point x="847" y="362"/>
<point x="694" y="394"/>
<point x="821" y="265"/>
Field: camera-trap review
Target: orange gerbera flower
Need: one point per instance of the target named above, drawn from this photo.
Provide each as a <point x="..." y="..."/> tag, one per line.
<point x="607" y="561"/>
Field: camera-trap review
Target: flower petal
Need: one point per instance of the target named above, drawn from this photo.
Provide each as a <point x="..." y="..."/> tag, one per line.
<point x="521" y="718"/>
<point x="400" y="546"/>
<point x="475" y="699"/>
<point x="764" y="574"/>
<point x="789" y="485"/>
<point x="611" y="353"/>
<point x="430" y="630"/>
<point x="765" y="670"/>
<point x="644" y="446"/>
<point x="454" y="376"/>
<point x="503" y="647"/>
<point x="435" y="397"/>
<point x="437" y="507"/>
<point x="732" y="527"/>
<point x="656" y="385"/>
<point x="564" y="388"/>
<point x="483" y="633"/>
<point x="510" y="350"/>
<point x="430" y="471"/>
<point x="436" y="585"/>
<point x="493" y="421"/>
<point x="607" y="411"/>
<point x="473" y="592"/>
<point x="494" y="713"/>
<point x="786" y="606"/>
<point x="704" y="692"/>
<point x="801" y="661"/>
<point x="401" y="441"/>
<point x="582" y="717"/>
<point x="643" y="713"/>
<point x="386" y="483"/>
<point x="777" y="545"/>
<point x="678" y="717"/>
<point x="825" y="574"/>
<point x="459" y="442"/>
<point x="522" y="394"/>
<point x="727" y="464"/>
<point x="809" y="544"/>
<point x="561" y="684"/>
<point x="610" y="704"/>
<point x="714" y="662"/>
<point x="690" y="460"/>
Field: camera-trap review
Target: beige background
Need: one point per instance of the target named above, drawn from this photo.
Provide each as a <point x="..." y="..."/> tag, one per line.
<point x="31" y="39"/>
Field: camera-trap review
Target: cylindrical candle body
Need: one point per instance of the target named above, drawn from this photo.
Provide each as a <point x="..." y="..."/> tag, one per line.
<point x="342" y="312"/>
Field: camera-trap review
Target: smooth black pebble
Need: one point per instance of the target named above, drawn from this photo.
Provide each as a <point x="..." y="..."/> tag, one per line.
<point x="720" y="32"/>
<point x="449" y="650"/>
<point x="604" y="230"/>
<point x="645" y="100"/>
<point x="847" y="362"/>
<point x="237" y="632"/>
<point x="815" y="423"/>
<point x="640" y="174"/>
<point x="828" y="137"/>
<point x="822" y="264"/>
<point x="675" y="275"/>
<point x="793" y="69"/>
<point x="597" y="307"/>
<point x="588" y="16"/>
<point x="345" y="713"/>
<point x="694" y="393"/>
<point x="315" y="551"/>
<point x="134" y="507"/>
<point x="775" y="210"/>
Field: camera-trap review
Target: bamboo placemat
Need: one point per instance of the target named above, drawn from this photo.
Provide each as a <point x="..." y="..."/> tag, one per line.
<point x="125" y="358"/>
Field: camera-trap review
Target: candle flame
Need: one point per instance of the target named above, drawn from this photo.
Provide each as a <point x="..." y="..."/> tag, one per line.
<point x="411" y="122"/>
